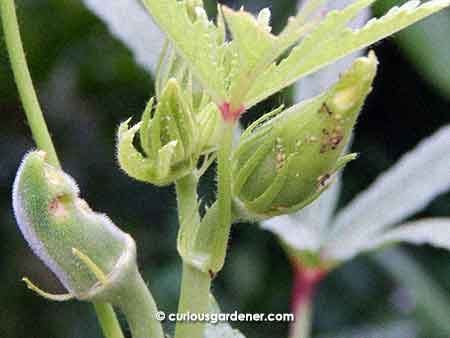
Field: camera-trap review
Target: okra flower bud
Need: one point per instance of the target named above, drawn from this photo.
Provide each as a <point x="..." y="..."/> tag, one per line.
<point x="172" y="139"/>
<point x="285" y="162"/>
<point x="59" y="226"/>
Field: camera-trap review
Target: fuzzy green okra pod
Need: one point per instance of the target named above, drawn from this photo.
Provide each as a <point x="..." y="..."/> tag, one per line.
<point x="91" y="256"/>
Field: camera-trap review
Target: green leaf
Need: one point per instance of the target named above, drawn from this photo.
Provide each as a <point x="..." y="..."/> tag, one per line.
<point x="297" y="26"/>
<point x="426" y="46"/>
<point x="414" y="181"/>
<point x="332" y="40"/>
<point x="197" y="39"/>
<point x="431" y="231"/>
<point x="255" y="47"/>
<point x="252" y="36"/>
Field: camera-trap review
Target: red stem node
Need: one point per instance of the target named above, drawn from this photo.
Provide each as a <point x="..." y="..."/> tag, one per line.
<point x="305" y="282"/>
<point x="230" y="115"/>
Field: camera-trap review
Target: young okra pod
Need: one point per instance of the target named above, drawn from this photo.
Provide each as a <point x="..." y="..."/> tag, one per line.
<point x="92" y="257"/>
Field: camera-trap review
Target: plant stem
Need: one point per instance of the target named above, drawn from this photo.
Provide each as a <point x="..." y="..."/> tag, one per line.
<point x="139" y="308"/>
<point x="224" y="197"/>
<point x="301" y="328"/>
<point x="194" y="298"/>
<point x="305" y="283"/>
<point x="188" y="215"/>
<point x="195" y="284"/>
<point x="38" y="126"/>
<point x="108" y="320"/>
<point x="24" y="83"/>
<point x="210" y="238"/>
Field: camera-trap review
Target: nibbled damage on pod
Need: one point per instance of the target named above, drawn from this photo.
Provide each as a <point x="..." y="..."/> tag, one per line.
<point x="286" y="160"/>
<point x="59" y="227"/>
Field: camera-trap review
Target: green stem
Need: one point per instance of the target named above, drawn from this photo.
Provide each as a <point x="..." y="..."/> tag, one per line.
<point x="108" y="320"/>
<point x="24" y="83"/>
<point x="208" y="238"/>
<point x="38" y="126"/>
<point x="194" y="298"/>
<point x="224" y="198"/>
<point x="137" y="304"/>
<point x="188" y="215"/>
<point x="195" y="284"/>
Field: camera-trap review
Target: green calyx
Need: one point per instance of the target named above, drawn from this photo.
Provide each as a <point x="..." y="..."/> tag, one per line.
<point x="286" y="160"/>
<point x="173" y="137"/>
<point x="62" y="230"/>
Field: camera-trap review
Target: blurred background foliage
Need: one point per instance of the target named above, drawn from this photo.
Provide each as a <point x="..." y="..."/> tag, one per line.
<point x="88" y="83"/>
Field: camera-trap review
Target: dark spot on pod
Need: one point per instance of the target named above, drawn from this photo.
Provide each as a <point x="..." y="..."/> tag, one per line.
<point x="56" y="208"/>
<point x="212" y="274"/>
<point x="326" y="109"/>
<point x="323" y="179"/>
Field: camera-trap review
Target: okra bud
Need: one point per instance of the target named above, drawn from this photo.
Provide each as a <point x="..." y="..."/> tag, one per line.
<point x="172" y="138"/>
<point x="286" y="160"/>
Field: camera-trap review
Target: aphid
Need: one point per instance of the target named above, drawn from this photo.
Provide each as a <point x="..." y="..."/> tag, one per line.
<point x="325" y="109"/>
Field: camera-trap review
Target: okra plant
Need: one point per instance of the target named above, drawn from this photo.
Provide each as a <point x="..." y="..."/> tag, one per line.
<point x="209" y="73"/>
